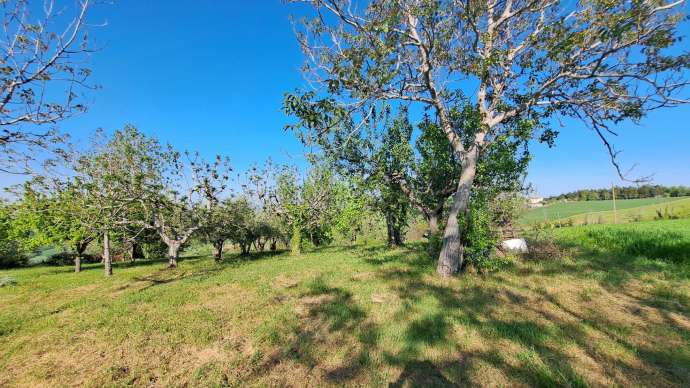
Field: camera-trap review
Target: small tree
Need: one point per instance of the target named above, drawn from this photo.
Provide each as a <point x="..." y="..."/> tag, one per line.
<point x="57" y="212"/>
<point x="188" y="194"/>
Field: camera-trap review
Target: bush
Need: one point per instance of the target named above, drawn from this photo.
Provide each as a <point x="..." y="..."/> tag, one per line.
<point x="543" y="246"/>
<point x="67" y="258"/>
<point x="11" y="251"/>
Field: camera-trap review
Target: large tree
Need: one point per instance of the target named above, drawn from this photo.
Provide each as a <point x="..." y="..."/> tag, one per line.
<point x="598" y="61"/>
<point x="43" y="74"/>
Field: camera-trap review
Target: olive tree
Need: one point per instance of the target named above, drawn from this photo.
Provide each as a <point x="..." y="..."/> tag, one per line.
<point x="600" y="62"/>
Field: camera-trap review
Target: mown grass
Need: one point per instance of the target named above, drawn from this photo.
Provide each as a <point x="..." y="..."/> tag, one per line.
<point x="602" y="211"/>
<point x="606" y="315"/>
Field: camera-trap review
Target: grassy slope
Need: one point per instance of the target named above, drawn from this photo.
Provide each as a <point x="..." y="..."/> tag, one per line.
<point x="361" y="317"/>
<point x="568" y="209"/>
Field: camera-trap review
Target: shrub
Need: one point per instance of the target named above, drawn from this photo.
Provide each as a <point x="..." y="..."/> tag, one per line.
<point x="543" y="246"/>
<point x="11" y="251"/>
<point x="67" y="258"/>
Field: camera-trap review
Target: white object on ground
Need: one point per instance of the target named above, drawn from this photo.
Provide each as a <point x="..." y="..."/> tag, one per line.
<point x="515" y="245"/>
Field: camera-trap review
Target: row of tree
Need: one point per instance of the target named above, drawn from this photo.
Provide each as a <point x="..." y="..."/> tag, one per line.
<point x="629" y="192"/>
<point x="131" y="191"/>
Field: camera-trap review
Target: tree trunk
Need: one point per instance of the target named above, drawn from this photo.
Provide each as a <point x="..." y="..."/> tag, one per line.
<point x="133" y="251"/>
<point x="296" y="241"/>
<point x="218" y="250"/>
<point x="107" y="259"/>
<point x="451" y="256"/>
<point x="79" y="248"/>
<point x="273" y="245"/>
<point x="395" y="238"/>
<point x="173" y="254"/>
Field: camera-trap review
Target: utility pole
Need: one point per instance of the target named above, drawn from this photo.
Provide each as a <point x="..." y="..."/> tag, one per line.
<point x="613" y="195"/>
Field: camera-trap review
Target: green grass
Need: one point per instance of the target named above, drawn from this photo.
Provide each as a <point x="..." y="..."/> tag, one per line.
<point x="603" y="209"/>
<point x="609" y="314"/>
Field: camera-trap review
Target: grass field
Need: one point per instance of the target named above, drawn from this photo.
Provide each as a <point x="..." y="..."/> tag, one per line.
<point x="563" y="210"/>
<point x="607" y="314"/>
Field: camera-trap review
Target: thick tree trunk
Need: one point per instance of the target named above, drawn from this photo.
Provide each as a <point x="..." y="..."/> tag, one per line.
<point x="218" y="250"/>
<point x="451" y="256"/>
<point x="79" y="248"/>
<point x="173" y="254"/>
<point x="107" y="259"/>
<point x="273" y="245"/>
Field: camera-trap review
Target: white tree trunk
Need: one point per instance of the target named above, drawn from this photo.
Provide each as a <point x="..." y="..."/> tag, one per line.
<point x="173" y="253"/>
<point x="107" y="259"/>
<point x="451" y="256"/>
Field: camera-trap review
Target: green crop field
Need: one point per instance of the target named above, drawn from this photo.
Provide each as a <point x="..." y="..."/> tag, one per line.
<point x="562" y="210"/>
<point x="613" y="310"/>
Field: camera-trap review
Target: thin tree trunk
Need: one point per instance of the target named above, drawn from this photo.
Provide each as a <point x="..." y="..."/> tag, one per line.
<point x="218" y="250"/>
<point x="451" y="256"/>
<point x="296" y="241"/>
<point x="273" y="244"/>
<point x="107" y="259"/>
<point x="390" y="229"/>
<point x="173" y="254"/>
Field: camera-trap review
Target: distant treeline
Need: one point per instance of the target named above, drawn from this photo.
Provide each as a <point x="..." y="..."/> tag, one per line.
<point x="631" y="192"/>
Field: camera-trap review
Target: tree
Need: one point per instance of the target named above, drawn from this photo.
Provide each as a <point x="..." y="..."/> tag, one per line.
<point x="187" y="195"/>
<point x="118" y="177"/>
<point x="52" y="211"/>
<point x="12" y="253"/>
<point x="601" y="62"/>
<point x="304" y="205"/>
<point x="42" y="75"/>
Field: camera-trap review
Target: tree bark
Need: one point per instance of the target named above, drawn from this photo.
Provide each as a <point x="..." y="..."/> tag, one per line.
<point x="273" y="245"/>
<point x="173" y="254"/>
<point x="451" y="256"/>
<point x="107" y="259"/>
<point x="395" y="238"/>
<point x="79" y="248"/>
<point x="218" y="250"/>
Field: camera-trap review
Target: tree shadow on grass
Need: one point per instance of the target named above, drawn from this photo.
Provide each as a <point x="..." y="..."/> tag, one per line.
<point x="329" y="318"/>
<point x="544" y="359"/>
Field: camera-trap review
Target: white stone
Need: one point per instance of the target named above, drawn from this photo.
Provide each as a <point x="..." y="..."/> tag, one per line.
<point x="515" y="245"/>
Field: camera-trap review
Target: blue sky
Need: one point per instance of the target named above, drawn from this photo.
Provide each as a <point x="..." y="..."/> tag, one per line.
<point x="209" y="75"/>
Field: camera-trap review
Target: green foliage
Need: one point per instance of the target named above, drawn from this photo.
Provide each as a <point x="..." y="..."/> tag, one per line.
<point x="12" y="253"/>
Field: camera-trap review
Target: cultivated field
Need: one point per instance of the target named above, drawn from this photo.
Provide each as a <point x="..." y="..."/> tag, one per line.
<point x="592" y="211"/>
<point x="614" y="310"/>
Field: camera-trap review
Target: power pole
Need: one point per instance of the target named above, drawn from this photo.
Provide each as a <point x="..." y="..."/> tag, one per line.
<point x="613" y="194"/>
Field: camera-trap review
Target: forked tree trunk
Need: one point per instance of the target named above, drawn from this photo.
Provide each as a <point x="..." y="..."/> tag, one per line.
<point x="218" y="249"/>
<point x="273" y="244"/>
<point x="173" y="254"/>
<point x="107" y="259"/>
<point x="451" y="256"/>
<point x="395" y="238"/>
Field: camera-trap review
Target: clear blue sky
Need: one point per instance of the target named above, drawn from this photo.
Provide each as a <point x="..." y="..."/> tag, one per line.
<point x="209" y="75"/>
